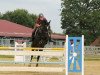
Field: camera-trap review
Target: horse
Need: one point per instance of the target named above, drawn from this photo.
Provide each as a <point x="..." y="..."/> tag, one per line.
<point x="41" y="37"/>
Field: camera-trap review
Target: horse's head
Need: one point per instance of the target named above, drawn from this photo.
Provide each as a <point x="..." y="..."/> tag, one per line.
<point x="45" y="24"/>
<point x="48" y="25"/>
<point x="44" y="28"/>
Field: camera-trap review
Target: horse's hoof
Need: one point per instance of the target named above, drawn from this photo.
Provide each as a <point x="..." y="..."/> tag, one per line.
<point x="36" y="65"/>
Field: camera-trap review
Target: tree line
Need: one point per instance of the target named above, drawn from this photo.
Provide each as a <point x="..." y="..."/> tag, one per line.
<point x="20" y="16"/>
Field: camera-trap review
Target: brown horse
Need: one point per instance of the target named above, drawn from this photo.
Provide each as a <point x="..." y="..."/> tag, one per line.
<point x="41" y="37"/>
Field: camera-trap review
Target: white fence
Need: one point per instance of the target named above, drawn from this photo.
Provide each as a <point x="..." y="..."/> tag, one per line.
<point x="92" y="50"/>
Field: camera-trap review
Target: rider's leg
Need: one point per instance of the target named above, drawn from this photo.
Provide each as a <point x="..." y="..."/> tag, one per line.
<point x="33" y="33"/>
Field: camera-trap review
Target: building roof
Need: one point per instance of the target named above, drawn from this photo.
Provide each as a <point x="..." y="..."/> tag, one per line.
<point x="96" y="42"/>
<point x="10" y="29"/>
<point x="58" y="36"/>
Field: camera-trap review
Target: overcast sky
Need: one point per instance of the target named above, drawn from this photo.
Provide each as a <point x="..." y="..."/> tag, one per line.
<point x="50" y="8"/>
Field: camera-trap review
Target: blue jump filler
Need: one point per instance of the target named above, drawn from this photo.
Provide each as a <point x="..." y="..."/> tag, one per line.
<point x="75" y="55"/>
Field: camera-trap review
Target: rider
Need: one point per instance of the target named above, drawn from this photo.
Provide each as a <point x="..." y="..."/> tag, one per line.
<point x="40" y="21"/>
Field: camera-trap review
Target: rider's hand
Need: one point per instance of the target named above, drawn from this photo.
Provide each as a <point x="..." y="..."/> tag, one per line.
<point x="37" y="25"/>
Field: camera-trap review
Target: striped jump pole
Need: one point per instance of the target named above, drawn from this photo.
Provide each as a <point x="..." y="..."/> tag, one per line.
<point x="29" y="48"/>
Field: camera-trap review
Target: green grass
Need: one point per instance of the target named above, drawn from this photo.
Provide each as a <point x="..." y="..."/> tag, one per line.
<point x="6" y="56"/>
<point x="91" y="57"/>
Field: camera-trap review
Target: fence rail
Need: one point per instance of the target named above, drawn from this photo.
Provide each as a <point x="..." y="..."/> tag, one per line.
<point x="88" y="50"/>
<point x="92" y="50"/>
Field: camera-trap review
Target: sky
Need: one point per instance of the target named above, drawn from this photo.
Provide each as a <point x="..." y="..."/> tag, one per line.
<point x="50" y="9"/>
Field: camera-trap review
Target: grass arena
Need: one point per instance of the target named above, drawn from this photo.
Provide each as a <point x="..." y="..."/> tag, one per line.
<point x="52" y="65"/>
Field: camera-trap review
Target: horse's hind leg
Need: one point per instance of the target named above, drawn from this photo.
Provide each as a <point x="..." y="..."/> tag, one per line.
<point x="38" y="57"/>
<point x="31" y="58"/>
<point x="30" y="61"/>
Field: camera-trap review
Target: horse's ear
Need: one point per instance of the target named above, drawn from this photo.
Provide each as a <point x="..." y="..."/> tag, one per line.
<point x="49" y="22"/>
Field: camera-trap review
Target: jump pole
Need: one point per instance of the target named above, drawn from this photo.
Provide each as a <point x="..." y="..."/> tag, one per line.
<point x="29" y="48"/>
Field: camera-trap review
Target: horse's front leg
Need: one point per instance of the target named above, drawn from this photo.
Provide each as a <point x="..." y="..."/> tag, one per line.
<point x="38" y="58"/>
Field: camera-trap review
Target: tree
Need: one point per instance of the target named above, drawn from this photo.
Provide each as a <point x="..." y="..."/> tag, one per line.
<point x="81" y="17"/>
<point x="0" y="15"/>
<point x="7" y="16"/>
<point x="20" y="16"/>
